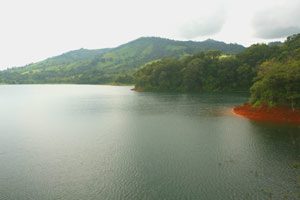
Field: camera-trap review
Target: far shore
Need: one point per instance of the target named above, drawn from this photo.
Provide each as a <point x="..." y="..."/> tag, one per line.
<point x="137" y="90"/>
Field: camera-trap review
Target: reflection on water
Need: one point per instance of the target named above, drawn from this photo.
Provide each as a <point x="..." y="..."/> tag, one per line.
<point x="104" y="142"/>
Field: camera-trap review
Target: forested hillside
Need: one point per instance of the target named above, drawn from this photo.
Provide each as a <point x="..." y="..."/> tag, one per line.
<point x="271" y="71"/>
<point x="278" y="80"/>
<point x="108" y="65"/>
<point x="208" y="71"/>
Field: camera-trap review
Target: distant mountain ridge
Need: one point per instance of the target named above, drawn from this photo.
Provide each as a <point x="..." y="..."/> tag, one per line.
<point x="101" y="66"/>
<point x="70" y="57"/>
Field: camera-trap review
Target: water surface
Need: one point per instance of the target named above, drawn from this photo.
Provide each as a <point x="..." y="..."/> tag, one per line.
<point x="107" y="142"/>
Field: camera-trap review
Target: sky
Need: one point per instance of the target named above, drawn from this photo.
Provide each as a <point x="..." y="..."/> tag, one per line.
<point x="33" y="30"/>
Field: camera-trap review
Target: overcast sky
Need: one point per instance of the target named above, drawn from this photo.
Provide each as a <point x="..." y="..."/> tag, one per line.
<point x="33" y="30"/>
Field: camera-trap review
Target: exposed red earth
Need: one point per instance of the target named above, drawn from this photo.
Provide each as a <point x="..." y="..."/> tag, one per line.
<point x="278" y="114"/>
<point x="137" y="90"/>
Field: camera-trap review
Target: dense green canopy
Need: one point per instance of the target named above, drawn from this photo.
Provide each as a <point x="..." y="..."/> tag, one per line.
<point x="278" y="80"/>
<point x="271" y="71"/>
<point x="205" y="71"/>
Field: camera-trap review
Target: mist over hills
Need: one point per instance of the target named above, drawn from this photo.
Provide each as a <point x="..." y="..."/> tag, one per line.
<point x="102" y="65"/>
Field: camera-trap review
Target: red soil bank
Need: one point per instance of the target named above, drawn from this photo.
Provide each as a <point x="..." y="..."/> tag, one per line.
<point x="137" y="90"/>
<point x="278" y="114"/>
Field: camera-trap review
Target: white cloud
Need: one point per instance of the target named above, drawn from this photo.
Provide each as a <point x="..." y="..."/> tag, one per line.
<point x="33" y="30"/>
<point x="277" y="21"/>
<point x="205" y="25"/>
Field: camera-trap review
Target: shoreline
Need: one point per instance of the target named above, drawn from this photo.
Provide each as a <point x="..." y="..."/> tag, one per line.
<point x="138" y="90"/>
<point x="278" y="114"/>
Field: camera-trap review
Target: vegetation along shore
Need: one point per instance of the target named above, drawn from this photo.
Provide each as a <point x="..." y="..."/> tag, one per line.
<point x="270" y="72"/>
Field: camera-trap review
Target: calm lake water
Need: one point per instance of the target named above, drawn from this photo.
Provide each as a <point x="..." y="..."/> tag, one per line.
<point x="107" y="142"/>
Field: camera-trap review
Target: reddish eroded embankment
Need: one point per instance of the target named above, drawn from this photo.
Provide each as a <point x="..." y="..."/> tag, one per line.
<point x="278" y="114"/>
<point x="137" y="90"/>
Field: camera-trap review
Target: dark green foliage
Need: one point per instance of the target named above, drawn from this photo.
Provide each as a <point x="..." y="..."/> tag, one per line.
<point x="277" y="83"/>
<point x="162" y="75"/>
<point x="273" y="71"/>
<point x="257" y="54"/>
<point x="124" y="79"/>
<point x="278" y="80"/>
<point x="191" y="73"/>
<point x="102" y="66"/>
<point x="209" y="71"/>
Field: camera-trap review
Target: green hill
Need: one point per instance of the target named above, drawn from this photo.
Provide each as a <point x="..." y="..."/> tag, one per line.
<point x="105" y="65"/>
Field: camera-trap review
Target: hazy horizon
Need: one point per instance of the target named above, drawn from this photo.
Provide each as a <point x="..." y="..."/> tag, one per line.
<point x="36" y="30"/>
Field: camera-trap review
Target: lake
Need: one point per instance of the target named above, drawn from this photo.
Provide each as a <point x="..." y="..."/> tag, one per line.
<point x="107" y="142"/>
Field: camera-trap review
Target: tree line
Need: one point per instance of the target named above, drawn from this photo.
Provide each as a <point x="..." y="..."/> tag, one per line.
<point x="270" y="72"/>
